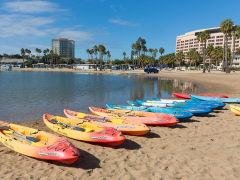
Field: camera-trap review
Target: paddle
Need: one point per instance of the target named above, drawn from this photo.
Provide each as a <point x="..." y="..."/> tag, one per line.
<point x="28" y="138"/>
<point x="54" y="121"/>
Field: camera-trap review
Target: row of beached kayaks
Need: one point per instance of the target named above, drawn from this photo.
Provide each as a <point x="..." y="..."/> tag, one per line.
<point x="105" y="126"/>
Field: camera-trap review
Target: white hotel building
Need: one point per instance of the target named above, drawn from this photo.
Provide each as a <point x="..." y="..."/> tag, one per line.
<point x="189" y="41"/>
<point x="63" y="46"/>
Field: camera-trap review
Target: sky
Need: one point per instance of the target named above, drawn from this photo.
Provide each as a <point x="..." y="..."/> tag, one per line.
<point x="116" y="24"/>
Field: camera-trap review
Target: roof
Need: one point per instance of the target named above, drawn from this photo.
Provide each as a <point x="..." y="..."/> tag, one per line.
<point x="12" y="60"/>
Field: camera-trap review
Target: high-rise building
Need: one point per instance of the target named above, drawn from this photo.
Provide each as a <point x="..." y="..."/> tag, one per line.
<point x="64" y="46"/>
<point x="189" y="41"/>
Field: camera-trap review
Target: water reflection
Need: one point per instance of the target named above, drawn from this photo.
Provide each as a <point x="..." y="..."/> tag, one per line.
<point x="26" y="96"/>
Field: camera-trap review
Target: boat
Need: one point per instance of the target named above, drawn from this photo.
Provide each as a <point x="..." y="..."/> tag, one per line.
<point x="160" y="104"/>
<point x="210" y="104"/>
<point x="187" y="96"/>
<point x="125" y="126"/>
<point x="223" y="100"/>
<point x="36" y="143"/>
<point x="235" y="109"/>
<point x="179" y="114"/>
<point x="84" y="131"/>
<point x="148" y="118"/>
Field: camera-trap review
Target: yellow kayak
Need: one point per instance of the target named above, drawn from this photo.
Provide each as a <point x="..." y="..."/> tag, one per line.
<point x="83" y="130"/>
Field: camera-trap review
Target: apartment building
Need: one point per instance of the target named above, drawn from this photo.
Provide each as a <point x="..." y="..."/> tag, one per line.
<point x="63" y="46"/>
<point x="189" y="41"/>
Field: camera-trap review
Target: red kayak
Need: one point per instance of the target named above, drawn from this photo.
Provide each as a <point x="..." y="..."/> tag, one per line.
<point x="187" y="96"/>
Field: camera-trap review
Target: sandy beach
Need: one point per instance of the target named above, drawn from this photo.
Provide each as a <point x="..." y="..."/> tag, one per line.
<point x="204" y="147"/>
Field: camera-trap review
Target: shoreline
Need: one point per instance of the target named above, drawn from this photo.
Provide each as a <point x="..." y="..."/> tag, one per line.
<point x="204" y="147"/>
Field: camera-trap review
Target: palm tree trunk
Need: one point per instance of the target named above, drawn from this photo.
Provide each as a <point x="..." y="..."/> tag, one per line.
<point x="226" y="53"/>
<point x="233" y="53"/>
<point x="223" y="62"/>
<point x="204" y="56"/>
<point x="216" y="63"/>
<point x="172" y="64"/>
<point x="190" y="64"/>
<point x="195" y="65"/>
<point x="209" y="67"/>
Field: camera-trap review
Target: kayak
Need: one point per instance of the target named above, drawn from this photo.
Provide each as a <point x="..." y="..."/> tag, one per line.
<point x="235" y="109"/>
<point x="179" y="114"/>
<point x="187" y="96"/>
<point x="125" y="126"/>
<point x="84" y="131"/>
<point x="223" y="100"/>
<point x="148" y="118"/>
<point x="36" y="143"/>
<point x="210" y="104"/>
<point x="194" y="106"/>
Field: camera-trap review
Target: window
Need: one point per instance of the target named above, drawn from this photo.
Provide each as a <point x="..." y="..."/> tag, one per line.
<point x="186" y="46"/>
<point x="186" y="43"/>
<point x="191" y="40"/>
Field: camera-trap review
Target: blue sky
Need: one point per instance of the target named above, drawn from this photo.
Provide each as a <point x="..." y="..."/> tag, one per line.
<point x="115" y="24"/>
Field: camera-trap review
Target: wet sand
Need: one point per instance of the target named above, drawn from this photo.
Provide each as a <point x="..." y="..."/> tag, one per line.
<point x="204" y="147"/>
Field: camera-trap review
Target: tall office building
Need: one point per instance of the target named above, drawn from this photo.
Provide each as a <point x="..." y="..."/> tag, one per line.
<point x="63" y="46"/>
<point x="189" y="41"/>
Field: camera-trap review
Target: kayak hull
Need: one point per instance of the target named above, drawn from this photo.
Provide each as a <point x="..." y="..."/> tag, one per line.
<point x="223" y="100"/>
<point x="50" y="147"/>
<point x="126" y="127"/>
<point x="187" y="96"/>
<point x="148" y="118"/>
<point x="92" y="132"/>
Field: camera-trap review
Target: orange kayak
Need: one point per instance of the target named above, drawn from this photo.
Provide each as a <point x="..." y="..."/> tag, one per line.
<point x="148" y="118"/>
<point x="126" y="127"/>
<point x="83" y="130"/>
<point x="36" y="143"/>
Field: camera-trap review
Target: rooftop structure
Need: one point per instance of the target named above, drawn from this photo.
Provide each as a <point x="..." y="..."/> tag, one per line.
<point x="63" y="46"/>
<point x="189" y="41"/>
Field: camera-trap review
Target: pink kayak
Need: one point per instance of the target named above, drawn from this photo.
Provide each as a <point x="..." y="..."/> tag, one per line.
<point x="187" y="96"/>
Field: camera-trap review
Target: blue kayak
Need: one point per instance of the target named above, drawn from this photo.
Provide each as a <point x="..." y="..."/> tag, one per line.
<point x="223" y="100"/>
<point x="194" y="109"/>
<point x="180" y="114"/>
<point x="211" y="104"/>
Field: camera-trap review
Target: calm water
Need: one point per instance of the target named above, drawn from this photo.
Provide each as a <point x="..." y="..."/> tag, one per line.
<point x="26" y="96"/>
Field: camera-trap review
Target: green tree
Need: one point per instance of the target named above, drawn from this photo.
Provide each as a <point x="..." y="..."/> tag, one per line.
<point x="217" y="54"/>
<point x="235" y="34"/>
<point x="179" y="57"/>
<point x="101" y="49"/>
<point x="203" y="37"/>
<point x="23" y="54"/>
<point x="226" y="28"/>
<point x="209" y="51"/>
<point x="161" y="50"/>
<point x="190" y="56"/>
<point x="87" y="51"/>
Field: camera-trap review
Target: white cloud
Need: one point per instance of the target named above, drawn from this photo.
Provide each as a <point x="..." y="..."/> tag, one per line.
<point x="76" y="35"/>
<point x="23" y="25"/>
<point x="32" y="7"/>
<point x="9" y="49"/>
<point x="122" y="22"/>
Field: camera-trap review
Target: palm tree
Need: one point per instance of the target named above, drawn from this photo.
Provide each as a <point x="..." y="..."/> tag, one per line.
<point x="124" y="54"/>
<point x="39" y="51"/>
<point x="101" y="49"/>
<point x="161" y="50"/>
<point x="47" y="51"/>
<point x="226" y="28"/>
<point x="235" y="34"/>
<point x="150" y="50"/>
<point x="209" y="51"/>
<point x="203" y="37"/>
<point x="144" y="49"/>
<point x="23" y="54"/>
<point x="132" y="54"/>
<point x="217" y="54"/>
<point x="91" y="52"/>
<point x="51" y="55"/>
<point x="95" y="49"/>
<point x="190" y="56"/>
<point x="179" y="57"/>
<point x="67" y="61"/>
<point x="87" y="51"/>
